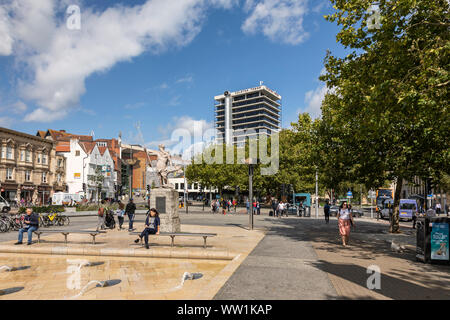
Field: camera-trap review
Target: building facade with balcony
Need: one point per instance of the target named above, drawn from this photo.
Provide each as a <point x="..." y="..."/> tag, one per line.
<point x="30" y="169"/>
<point x="246" y="113"/>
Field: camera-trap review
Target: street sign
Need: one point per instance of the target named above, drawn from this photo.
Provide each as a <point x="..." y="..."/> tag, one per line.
<point x="349" y="194"/>
<point x="430" y="197"/>
<point x="372" y="195"/>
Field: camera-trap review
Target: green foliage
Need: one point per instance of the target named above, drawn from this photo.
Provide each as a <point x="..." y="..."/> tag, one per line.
<point x="387" y="115"/>
<point x="43" y="209"/>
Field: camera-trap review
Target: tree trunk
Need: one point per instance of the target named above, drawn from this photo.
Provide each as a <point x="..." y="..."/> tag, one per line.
<point x="395" y="217"/>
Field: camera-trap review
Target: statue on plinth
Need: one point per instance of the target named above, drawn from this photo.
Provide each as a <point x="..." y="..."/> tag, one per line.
<point x="163" y="163"/>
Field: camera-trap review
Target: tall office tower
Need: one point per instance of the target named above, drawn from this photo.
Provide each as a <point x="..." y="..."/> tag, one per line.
<point x="246" y="113"/>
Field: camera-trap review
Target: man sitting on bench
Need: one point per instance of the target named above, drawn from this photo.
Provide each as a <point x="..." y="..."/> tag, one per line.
<point x="152" y="224"/>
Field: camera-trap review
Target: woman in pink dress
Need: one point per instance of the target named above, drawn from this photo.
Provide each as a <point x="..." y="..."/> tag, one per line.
<point x="345" y="221"/>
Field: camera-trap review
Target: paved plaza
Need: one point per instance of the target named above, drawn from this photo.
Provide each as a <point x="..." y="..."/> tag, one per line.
<point x="281" y="259"/>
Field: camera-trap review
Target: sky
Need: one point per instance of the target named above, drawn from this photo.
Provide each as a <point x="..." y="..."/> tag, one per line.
<point x="146" y="68"/>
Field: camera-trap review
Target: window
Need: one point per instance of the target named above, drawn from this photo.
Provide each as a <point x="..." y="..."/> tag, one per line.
<point x="28" y="175"/>
<point x="182" y="186"/>
<point x="195" y="186"/>
<point x="102" y="144"/>
<point x="9" y="153"/>
<point x="77" y="153"/>
<point x="9" y="173"/>
<point x="59" y="163"/>
<point x="39" y="158"/>
<point x="44" y="177"/>
<point x="58" y="178"/>
<point x="2" y="152"/>
<point x="176" y="186"/>
<point x="28" y="156"/>
<point x="22" y="155"/>
<point x="44" y="159"/>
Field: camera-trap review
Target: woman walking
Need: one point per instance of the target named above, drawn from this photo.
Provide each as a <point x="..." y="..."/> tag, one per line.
<point x="345" y="221"/>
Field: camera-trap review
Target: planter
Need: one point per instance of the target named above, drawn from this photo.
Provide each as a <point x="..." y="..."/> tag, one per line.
<point x="70" y="209"/>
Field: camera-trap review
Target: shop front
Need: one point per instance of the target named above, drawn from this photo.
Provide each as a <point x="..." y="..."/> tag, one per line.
<point x="44" y="195"/>
<point x="26" y="194"/>
<point x="9" y="191"/>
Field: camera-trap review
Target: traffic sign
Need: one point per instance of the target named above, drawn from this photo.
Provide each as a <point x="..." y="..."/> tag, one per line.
<point x="430" y="197"/>
<point x="349" y="194"/>
<point x="372" y="195"/>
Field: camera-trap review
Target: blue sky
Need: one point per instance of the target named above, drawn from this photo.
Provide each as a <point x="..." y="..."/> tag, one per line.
<point x="122" y="67"/>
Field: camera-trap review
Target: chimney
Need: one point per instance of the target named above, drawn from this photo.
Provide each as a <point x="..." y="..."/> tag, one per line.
<point x="62" y="131"/>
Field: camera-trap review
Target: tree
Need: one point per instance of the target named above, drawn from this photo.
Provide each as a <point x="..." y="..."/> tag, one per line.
<point x="97" y="179"/>
<point x="387" y="112"/>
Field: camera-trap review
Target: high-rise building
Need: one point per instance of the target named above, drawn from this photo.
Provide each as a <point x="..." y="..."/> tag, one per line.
<point x="246" y="113"/>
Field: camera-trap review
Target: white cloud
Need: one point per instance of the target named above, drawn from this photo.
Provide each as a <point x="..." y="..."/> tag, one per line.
<point x="60" y="59"/>
<point x="279" y="20"/>
<point x="136" y="105"/>
<point x="53" y="62"/>
<point x="313" y="100"/>
<point x="6" y="40"/>
<point x="5" y="122"/>
<point x="19" y="107"/>
<point x="187" y="79"/>
<point x="183" y="135"/>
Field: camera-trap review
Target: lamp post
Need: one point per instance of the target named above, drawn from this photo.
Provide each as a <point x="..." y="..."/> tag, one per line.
<point x="317" y="195"/>
<point x="250" y="164"/>
<point x="185" y="188"/>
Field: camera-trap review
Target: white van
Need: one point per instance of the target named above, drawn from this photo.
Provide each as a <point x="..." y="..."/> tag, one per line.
<point x="4" y="205"/>
<point x="61" y="197"/>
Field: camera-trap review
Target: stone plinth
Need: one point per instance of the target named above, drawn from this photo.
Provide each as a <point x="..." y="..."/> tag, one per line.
<point x="166" y="203"/>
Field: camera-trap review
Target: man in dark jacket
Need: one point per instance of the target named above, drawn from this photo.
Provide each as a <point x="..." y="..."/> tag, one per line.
<point x="326" y="211"/>
<point x="129" y="211"/>
<point x="31" y="223"/>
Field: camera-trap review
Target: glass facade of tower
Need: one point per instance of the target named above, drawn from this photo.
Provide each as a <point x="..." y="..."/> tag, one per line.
<point x="254" y="111"/>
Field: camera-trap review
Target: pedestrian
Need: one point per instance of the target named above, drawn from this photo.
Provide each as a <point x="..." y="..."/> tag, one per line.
<point x="129" y="211"/>
<point x="438" y="208"/>
<point x="248" y="206"/>
<point x="326" y="211"/>
<point x="120" y="213"/>
<point x="31" y="224"/>
<point x="152" y="223"/>
<point x="280" y="209"/>
<point x="234" y="204"/>
<point x="254" y="207"/>
<point x="101" y="216"/>
<point x="224" y="207"/>
<point x="274" y="206"/>
<point x="345" y="221"/>
<point x="213" y="203"/>
<point x="258" y="208"/>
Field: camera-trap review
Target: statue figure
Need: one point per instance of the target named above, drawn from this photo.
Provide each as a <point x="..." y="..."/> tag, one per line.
<point x="162" y="166"/>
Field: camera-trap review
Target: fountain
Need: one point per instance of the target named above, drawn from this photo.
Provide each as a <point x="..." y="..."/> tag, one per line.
<point x="99" y="284"/>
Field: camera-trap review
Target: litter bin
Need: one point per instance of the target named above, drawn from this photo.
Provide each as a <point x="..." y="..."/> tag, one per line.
<point x="307" y="212"/>
<point x="432" y="239"/>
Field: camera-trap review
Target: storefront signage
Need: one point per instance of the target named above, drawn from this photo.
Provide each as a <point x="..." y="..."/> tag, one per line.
<point x="439" y="241"/>
<point x="77" y="175"/>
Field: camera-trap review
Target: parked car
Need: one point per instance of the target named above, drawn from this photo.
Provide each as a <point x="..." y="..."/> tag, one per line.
<point x="334" y="210"/>
<point x="357" y="213"/>
<point x="4" y="205"/>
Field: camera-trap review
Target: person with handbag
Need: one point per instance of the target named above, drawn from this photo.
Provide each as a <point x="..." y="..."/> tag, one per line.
<point x="345" y="221"/>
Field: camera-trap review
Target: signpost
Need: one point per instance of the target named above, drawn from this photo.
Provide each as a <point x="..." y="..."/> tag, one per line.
<point x="349" y="196"/>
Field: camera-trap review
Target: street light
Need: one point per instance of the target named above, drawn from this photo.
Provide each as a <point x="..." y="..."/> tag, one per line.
<point x="251" y="163"/>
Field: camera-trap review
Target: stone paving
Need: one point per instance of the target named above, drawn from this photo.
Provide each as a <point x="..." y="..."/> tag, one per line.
<point x="50" y="266"/>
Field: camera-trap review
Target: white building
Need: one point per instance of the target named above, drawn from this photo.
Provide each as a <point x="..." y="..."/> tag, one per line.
<point x="83" y="159"/>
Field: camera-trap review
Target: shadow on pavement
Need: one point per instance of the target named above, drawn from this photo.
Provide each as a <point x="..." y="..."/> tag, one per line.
<point x="391" y="287"/>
